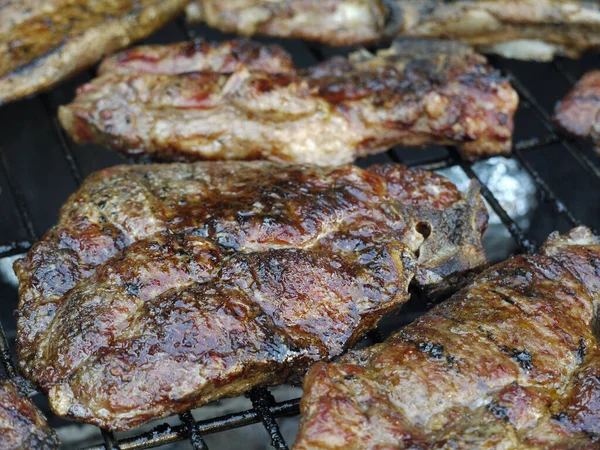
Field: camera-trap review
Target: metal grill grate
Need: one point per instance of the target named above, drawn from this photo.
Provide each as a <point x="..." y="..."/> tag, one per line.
<point x="265" y="408"/>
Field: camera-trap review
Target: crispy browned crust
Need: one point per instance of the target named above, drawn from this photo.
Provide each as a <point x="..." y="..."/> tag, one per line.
<point x="22" y="425"/>
<point x="416" y="93"/>
<point x="164" y="287"/>
<point x="572" y="26"/>
<point x="579" y="112"/>
<point x="512" y="361"/>
<point x="43" y="42"/>
<point x="199" y="56"/>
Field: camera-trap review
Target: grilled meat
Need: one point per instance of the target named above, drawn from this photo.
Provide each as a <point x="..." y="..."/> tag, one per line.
<point x="22" y="425"/>
<point x="512" y="361"/>
<point x="164" y="287"/>
<point x="579" y="113"/>
<point x="43" y="42"/>
<point x="199" y="56"/>
<point x="527" y="29"/>
<point x="415" y="93"/>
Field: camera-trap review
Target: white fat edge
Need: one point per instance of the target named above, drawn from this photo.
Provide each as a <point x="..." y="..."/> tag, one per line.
<point x="524" y="49"/>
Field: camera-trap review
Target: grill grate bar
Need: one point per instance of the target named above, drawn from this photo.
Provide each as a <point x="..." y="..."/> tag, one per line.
<point x="577" y="154"/>
<point x="517" y="233"/>
<point x="110" y="441"/>
<point x="164" y="434"/>
<point x="194" y="434"/>
<point x="19" y="198"/>
<point x="262" y="400"/>
<point x="62" y="139"/>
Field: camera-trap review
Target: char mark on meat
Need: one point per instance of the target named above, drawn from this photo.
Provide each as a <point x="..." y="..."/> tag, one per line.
<point x="240" y="101"/>
<point x="477" y="371"/>
<point x="164" y="287"/>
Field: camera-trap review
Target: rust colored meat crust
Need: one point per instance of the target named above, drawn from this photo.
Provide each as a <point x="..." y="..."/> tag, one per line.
<point x="164" y="287"/>
<point x="512" y="361"/>
<point x="579" y="112"/>
<point x="22" y="425"/>
<point x="415" y="93"/>
<point x="45" y="41"/>
<point x="570" y="26"/>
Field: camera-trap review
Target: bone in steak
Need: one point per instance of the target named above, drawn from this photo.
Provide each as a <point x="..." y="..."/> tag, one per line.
<point x="164" y="287"/>
<point x="579" y="112"/>
<point x="415" y="93"/>
<point x="512" y="361"/>
<point x="22" y="425"/>
<point x="526" y="29"/>
<point x="43" y="42"/>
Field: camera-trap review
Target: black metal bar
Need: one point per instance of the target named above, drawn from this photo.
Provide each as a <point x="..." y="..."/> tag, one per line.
<point x="193" y="432"/>
<point x="577" y="154"/>
<point x="165" y="434"/>
<point x="19" y="198"/>
<point x="14" y="248"/>
<point x="62" y="139"/>
<point x="5" y="356"/>
<point x="513" y="228"/>
<point x="263" y="400"/>
<point x="110" y="442"/>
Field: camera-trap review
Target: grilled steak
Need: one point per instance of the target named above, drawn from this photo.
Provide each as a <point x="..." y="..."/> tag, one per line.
<point x="527" y="29"/>
<point x="415" y="93"/>
<point x="22" y="425"/>
<point x="164" y="287"/>
<point x="199" y="56"/>
<point x="43" y="42"/>
<point x="512" y="361"/>
<point x="579" y="113"/>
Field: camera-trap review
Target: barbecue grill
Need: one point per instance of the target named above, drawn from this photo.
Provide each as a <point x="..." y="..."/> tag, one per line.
<point x="40" y="167"/>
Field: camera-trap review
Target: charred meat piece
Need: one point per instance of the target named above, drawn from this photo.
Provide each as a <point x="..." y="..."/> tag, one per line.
<point x="415" y="93"/>
<point x="579" y="113"/>
<point x="199" y="56"/>
<point x="526" y="29"/>
<point x="43" y="42"/>
<point x="22" y="425"/>
<point x="511" y="361"/>
<point x="164" y="287"/>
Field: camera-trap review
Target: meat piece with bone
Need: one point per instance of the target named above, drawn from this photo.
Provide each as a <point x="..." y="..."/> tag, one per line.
<point x="22" y="425"/>
<point x="525" y="29"/>
<point x="579" y="112"/>
<point x="413" y="94"/>
<point x="43" y="42"/>
<point x="164" y="287"/>
<point x="511" y="361"/>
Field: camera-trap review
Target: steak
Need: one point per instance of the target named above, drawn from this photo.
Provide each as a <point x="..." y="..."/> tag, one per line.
<point x="579" y="112"/>
<point x="164" y="287"/>
<point x="512" y="361"/>
<point x="22" y="425"/>
<point x="43" y="42"/>
<point x="525" y="29"/>
<point x="413" y="94"/>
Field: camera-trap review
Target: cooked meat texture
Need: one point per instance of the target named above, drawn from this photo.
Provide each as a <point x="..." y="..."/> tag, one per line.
<point x="579" y="113"/>
<point x="22" y="425"/>
<point x="526" y="29"/>
<point x="199" y="56"/>
<point x="415" y="93"/>
<point x="164" y="287"/>
<point x="512" y="361"/>
<point x="43" y="42"/>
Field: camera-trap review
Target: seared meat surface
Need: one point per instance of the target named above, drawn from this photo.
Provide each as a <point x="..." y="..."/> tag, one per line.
<point x="510" y="362"/>
<point x="164" y="287"/>
<point x="527" y="29"/>
<point x="579" y="112"/>
<point x="415" y="93"/>
<point x="43" y="42"/>
<point x="22" y="425"/>
<point x="199" y="56"/>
